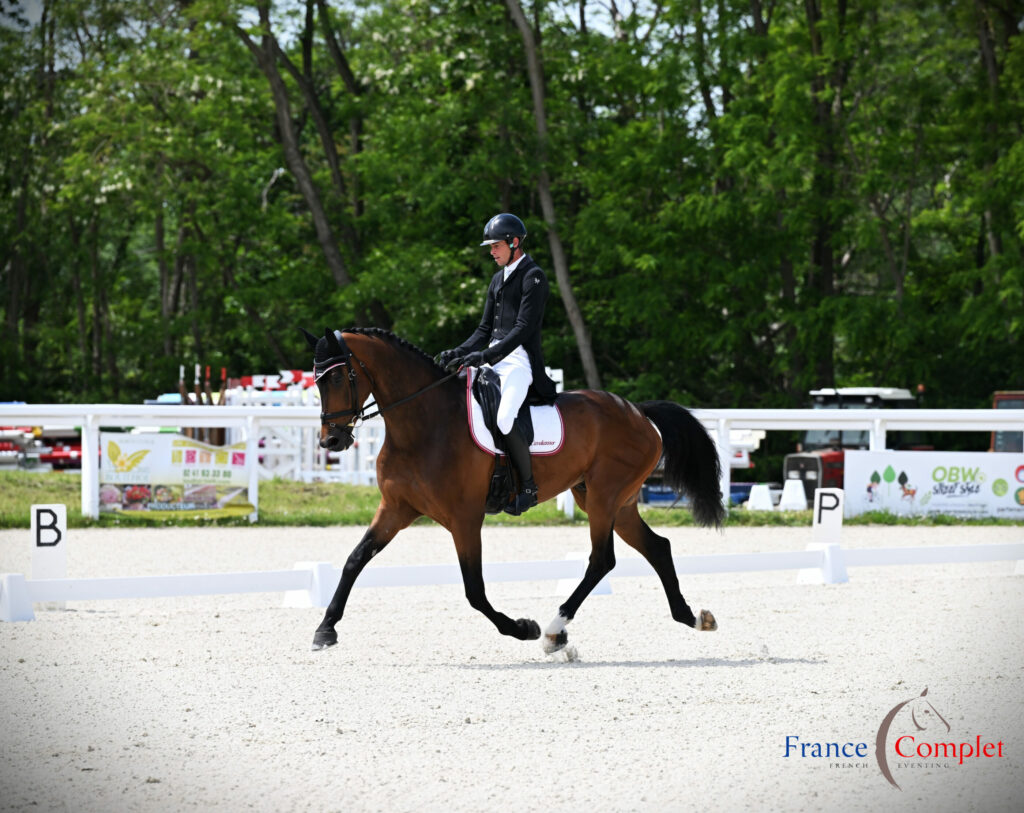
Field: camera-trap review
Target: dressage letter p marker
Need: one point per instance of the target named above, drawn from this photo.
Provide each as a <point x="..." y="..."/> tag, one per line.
<point x="826" y="497"/>
<point x="828" y="516"/>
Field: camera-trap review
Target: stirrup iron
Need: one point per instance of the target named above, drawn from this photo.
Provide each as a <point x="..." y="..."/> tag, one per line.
<point x="524" y="500"/>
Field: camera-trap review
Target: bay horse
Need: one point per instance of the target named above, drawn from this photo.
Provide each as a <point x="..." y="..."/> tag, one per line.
<point x="430" y="466"/>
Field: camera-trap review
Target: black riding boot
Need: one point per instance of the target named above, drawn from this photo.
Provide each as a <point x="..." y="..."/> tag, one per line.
<point x="519" y="454"/>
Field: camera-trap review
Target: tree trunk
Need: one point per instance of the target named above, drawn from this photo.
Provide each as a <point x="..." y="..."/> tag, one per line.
<point x="823" y="185"/>
<point x="265" y="57"/>
<point x="572" y="309"/>
<point x="356" y="89"/>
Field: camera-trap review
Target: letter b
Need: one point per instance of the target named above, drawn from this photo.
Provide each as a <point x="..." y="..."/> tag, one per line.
<point x="49" y="541"/>
<point x="48" y="527"/>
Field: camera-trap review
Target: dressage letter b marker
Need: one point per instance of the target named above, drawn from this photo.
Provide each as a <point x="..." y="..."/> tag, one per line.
<point x="49" y="542"/>
<point x="48" y="532"/>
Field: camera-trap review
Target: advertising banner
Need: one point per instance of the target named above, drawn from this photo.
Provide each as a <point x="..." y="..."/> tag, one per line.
<point x="969" y="484"/>
<point x="164" y="474"/>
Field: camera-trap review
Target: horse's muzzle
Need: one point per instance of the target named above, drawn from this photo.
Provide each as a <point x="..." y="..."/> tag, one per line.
<point x="336" y="440"/>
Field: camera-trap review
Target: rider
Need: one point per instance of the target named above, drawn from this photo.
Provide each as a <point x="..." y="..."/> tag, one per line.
<point x="508" y="339"/>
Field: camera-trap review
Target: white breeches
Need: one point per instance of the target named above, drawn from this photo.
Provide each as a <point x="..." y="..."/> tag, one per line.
<point x="515" y="383"/>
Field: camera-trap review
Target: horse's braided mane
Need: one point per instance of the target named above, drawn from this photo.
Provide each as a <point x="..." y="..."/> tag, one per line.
<point x="388" y="336"/>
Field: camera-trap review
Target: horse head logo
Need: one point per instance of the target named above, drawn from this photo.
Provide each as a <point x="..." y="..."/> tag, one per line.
<point x="923" y="715"/>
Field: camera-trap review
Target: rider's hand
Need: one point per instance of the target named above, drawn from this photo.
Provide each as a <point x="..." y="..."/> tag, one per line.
<point x="474" y="359"/>
<point x="445" y="356"/>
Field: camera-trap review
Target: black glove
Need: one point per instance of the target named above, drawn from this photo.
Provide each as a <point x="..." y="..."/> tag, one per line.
<point x="474" y="359"/>
<point x="445" y="356"/>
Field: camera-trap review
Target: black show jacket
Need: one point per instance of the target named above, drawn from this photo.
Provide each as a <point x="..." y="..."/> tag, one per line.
<point x="513" y="314"/>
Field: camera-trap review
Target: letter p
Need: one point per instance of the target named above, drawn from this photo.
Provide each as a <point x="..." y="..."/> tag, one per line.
<point x="829" y="501"/>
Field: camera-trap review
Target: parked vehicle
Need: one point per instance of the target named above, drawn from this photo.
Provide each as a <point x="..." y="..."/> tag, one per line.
<point x="818" y="461"/>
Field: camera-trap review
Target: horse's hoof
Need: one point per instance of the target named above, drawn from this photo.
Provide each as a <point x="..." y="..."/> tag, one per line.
<point x="705" y="622"/>
<point x="529" y="630"/>
<point x="553" y="643"/>
<point x="566" y="654"/>
<point x="323" y="639"/>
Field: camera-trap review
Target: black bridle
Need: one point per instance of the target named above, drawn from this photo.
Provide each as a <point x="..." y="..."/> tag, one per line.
<point x="357" y="413"/>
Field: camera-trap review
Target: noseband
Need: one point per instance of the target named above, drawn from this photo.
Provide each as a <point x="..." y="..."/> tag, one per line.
<point x="321" y="368"/>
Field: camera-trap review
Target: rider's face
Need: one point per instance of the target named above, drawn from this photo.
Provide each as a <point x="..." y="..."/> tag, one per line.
<point x="501" y="253"/>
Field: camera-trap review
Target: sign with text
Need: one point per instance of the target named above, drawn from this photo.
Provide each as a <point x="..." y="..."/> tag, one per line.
<point x="970" y="484"/>
<point x="49" y="525"/>
<point x="827" y="520"/>
<point x="163" y="474"/>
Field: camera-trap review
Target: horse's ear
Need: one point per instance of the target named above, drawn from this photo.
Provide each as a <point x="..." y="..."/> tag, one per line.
<point x="333" y="345"/>
<point x="310" y="338"/>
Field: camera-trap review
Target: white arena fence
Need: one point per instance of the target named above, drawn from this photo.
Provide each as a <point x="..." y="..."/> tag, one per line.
<point x="312" y="584"/>
<point x="256" y="421"/>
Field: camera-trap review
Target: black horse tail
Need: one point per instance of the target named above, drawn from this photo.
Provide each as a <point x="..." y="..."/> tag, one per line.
<point x="691" y="464"/>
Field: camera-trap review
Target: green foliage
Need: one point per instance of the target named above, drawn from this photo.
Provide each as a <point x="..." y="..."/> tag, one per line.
<point x="749" y="208"/>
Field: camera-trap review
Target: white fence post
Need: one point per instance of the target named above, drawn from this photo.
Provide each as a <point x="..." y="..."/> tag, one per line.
<point x="323" y="582"/>
<point x="252" y="457"/>
<point x="833" y="566"/>
<point x="15" y="602"/>
<point x="90" y="466"/>
<point x="724" y="444"/>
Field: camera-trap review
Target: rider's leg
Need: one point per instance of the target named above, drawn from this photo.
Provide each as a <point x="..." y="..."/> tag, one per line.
<point x="519" y="454"/>
<point x="515" y="383"/>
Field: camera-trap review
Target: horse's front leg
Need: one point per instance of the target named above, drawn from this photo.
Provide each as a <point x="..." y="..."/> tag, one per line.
<point x="386" y="523"/>
<point x="467" y="546"/>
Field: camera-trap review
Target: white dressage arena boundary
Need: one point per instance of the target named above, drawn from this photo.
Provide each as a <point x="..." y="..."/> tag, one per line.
<point x="312" y="584"/>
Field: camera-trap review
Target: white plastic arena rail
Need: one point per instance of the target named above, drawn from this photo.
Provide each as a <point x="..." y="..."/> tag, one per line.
<point x="90" y="417"/>
<point x="312" y="584"/>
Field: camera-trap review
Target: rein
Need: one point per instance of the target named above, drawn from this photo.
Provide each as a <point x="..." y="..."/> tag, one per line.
<point x="357" y="414"/>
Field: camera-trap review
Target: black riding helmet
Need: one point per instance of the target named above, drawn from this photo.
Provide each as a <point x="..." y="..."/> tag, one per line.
<point x="504" y="227"/>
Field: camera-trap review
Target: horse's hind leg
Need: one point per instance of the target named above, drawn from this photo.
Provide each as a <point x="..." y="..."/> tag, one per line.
<point x="658" y="551"/>
<point x="602" y="560"/>
<point x="386" y="523"/>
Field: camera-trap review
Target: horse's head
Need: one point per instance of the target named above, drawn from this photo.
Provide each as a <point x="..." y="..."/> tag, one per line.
<point x="335" y="377"/>
<point x="924" y="715"/>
